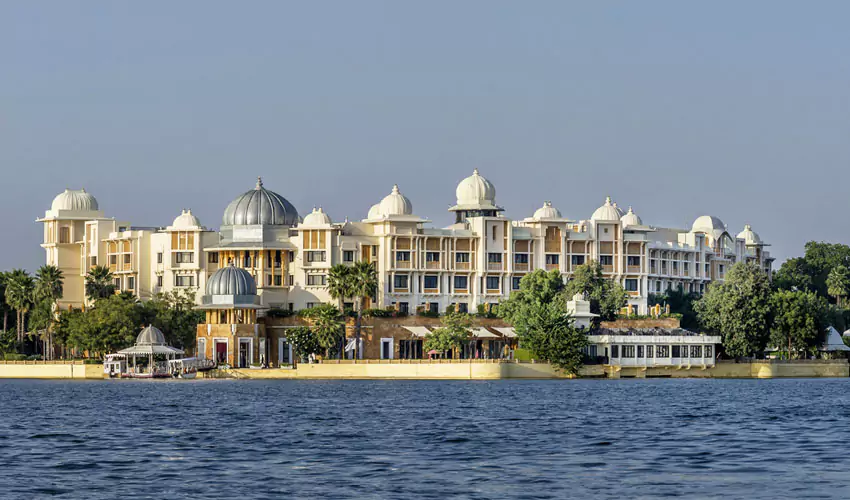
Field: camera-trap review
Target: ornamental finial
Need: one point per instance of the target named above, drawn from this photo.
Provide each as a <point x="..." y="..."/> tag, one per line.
<point x="259" y="183"/>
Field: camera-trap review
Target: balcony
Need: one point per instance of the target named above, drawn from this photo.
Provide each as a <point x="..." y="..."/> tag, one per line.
<point x="552" y="267"/>
<point x="432" y="265"/>
<point x="463" y="266"/>
<point x="494" y="266"/>
<point x="432" y="290"/>
<point x="633" y="269"/>
<point x="402" y="264"/>
<point x="521" y="266"/>
<point x="460" y="291"/>
<point x="608" y="269"/>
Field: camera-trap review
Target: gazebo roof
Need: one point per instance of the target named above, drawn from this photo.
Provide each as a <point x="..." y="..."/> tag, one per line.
<point x="148" y="349"/>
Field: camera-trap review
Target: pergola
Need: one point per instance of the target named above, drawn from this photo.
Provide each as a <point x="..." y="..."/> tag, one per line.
<point x="149" y="343"/>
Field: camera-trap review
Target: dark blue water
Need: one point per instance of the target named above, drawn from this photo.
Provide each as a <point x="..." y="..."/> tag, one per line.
<point x="404" y="439"/>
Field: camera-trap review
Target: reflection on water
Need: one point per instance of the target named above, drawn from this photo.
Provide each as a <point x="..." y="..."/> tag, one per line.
<point x="404" y="439"/>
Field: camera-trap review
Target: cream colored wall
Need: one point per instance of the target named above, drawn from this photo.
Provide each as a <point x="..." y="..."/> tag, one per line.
<point x="51" y="371"/>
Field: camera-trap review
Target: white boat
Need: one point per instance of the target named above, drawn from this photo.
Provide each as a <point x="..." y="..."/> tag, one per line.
<point x="188" y="368"/>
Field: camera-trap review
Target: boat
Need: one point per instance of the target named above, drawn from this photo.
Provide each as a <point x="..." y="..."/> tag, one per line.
<point x="188" y="368"/>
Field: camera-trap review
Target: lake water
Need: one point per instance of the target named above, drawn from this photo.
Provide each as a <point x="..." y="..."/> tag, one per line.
<point x="429" y="439"/>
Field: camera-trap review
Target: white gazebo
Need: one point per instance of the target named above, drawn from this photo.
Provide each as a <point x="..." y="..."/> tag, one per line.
<point x="150" y="343"/>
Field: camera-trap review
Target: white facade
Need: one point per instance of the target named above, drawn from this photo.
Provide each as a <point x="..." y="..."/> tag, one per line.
<point x="476" y="261"/>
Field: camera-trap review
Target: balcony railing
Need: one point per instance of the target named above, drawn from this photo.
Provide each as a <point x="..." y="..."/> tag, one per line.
<point x="607" y="269"/>
<point x="465" y="266"/>
<point x="402" y="264"/>
<point x="432" y="265"/>
<point x="494" y="266"/>
<point x="552" y="267"/>
<point x="633" y="269"/>
<point x="523" y="266"/>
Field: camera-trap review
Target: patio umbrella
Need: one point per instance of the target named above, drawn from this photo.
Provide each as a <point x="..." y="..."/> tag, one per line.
<point x="433" y="351"/>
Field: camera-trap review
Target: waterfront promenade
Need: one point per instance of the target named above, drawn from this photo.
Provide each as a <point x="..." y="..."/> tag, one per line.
<point x="457" y="370"/>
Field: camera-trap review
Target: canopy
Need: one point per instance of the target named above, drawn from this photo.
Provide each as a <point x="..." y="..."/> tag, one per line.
<point x="833" y="341"/>
<point x="418" y="331"/>
<point x="147" y="350"/>
<point x="483" y="333"/>
<point x="506" y="332"/>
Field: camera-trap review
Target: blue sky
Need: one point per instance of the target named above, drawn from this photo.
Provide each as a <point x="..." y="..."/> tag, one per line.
<point x="735" y="109"/>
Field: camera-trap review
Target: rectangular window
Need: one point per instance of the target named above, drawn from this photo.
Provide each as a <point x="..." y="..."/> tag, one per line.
<point x="462" y="257"/>
<point x="650" y="351"/>
<point x="316" y="280"/>
<point x="677" y="351"/>
<point x="662" y="351"/>
<point x="184" y="257"/>
<point x="127" y="258"/>
<point x="277" y="258"/>
<point x="184" y="281"/>
<point x="633" y="260"/>
<point x="402" y="256"/>
<point x="492" y="282"/>
<point x="552" y="259"/>
<point x="709" y="351"/>
<point x="401" y="281"/>
<point x="495" y="258"/>
<point x="159" y="257"/>
<point x="212" y="258"/>
<point x="113" y="259"/>
<point x="131" y="283"/>
<point x="615" y="351"/>
<point x="348" y="255"/>
<point x="432" y="256"/>
<point x="577" y="260"/>
<point x="290" y="280"/>
<point x="521" y="258"/>
<point x="631" y="285"/>
<point x="310" y="305"/>
<point x="278" y="279"/>
<point x="696" y="351"/>
<point x="628" y="351"/>
<point x="606" y="260"/>
<point x="515" y="282"/>
<point x="403" y="307"/>
<point x="430" y="282"/>
<point x="640" y="351"/>
<point x="463" y="307"/>
<point x="117" y="283"/>
<point x="316" y="256"/>
<point x="159" y="281"/>
<point x="461" y="282"/>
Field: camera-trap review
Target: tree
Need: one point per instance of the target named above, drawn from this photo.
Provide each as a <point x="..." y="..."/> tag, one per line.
<point x="680" y="303"/>
<point x="4" y="278"/>
<point x="19" y="295"/>
<point x="303" y="341"/>
<point x="455" y="329"/>
<point x="174" y="314"/>
<point x="363" y="284"/>
<point x="99" y="283"/>
<point x="606" y="296"/>
<point x="799" y="321"/>
<point x="339" y="283"/>
<point x="821" y="257"/>
<point x="794" y="274"/>
<point x="838" y="283"/>
<point x="738" y="309"/>
<point x="49" y="286"/>
<point x="328" y="325"/>
<point x="538" y="313"/>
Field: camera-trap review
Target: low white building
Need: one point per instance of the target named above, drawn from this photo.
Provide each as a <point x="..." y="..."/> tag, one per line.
<point x="654" y="347"/>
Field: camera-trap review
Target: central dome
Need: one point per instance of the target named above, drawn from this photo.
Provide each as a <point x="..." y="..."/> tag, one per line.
<point x="231" y="280"/>
<point x="476" y="190"/>
<point x="260" y="206"/>
<point x="607" y="212"/>
<point x="186" y="221"/>
<point x="150" y="336"/>
<point x="77" y="200"/>
<point x="395" y="203"/>
<point x="749" y="236"/>
<point x="547" y="211"/>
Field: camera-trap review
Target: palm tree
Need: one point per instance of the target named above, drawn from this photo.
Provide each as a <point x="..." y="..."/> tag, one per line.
<point x="49" y="285"/>
<point x="327" y="323"/>
<point x="99" y="283"/>
<point x="4" y="277"/>
<point x="19" y="296"/>
<point x="364" y="284"/>
<point x="339" y="283"/>
<point x="838" y="283"/>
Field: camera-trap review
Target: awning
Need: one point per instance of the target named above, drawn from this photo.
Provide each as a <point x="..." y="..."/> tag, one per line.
<point x="483" y="333"/>
<point x="147" y="350"/>
<point x="506" y="332"/>
<point x="418" y="331"/>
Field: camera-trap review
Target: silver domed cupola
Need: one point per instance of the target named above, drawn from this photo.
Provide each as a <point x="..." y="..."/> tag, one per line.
<point x="260" y="206"/>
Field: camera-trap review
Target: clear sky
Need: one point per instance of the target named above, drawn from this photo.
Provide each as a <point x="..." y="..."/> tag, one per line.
<point x="734" y="109"/>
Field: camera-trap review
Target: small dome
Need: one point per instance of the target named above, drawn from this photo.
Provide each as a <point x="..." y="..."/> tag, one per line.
<point x="395" y="203"/>
<point x="547" y="211"/>
<point x="260" y="206"/>
<point x="607" y="212"/>
<point x="374" y="212"/>
<point x="475" y="191"/>
<point x="317" y="217"/>
<point x="150" y="335"/>
<point x="231" y="280"/>
<point x="77" y="200"/>
<point x="186" y="221"/>
<point x="631" y="219"/>
<point x="749" y="236"/>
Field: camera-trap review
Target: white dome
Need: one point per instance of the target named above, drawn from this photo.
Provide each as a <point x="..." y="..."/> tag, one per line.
<point x="607" y="212"/>
<point x="749" y="236"/>
<point x="476" y="192"/>
<point x="708" y="224"/>
<point x="317" y="217"/>
<point x="395" y="203"/>
<point x="374" y="212"/>
<point x="631" y="219"/>
<point x="186" y="221"/>
<point x="547" y="211"/>
<point x="77" y="200"/>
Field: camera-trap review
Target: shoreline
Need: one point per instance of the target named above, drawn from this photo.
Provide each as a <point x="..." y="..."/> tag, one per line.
<point x="462" y="370"/>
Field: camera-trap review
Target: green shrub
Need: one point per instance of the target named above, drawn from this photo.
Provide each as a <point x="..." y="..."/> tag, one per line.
<point x="13" y="356"/>
<point x="277" y="312"/>
<point x="429" y="314"/>
<point x="379" y="313"/>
